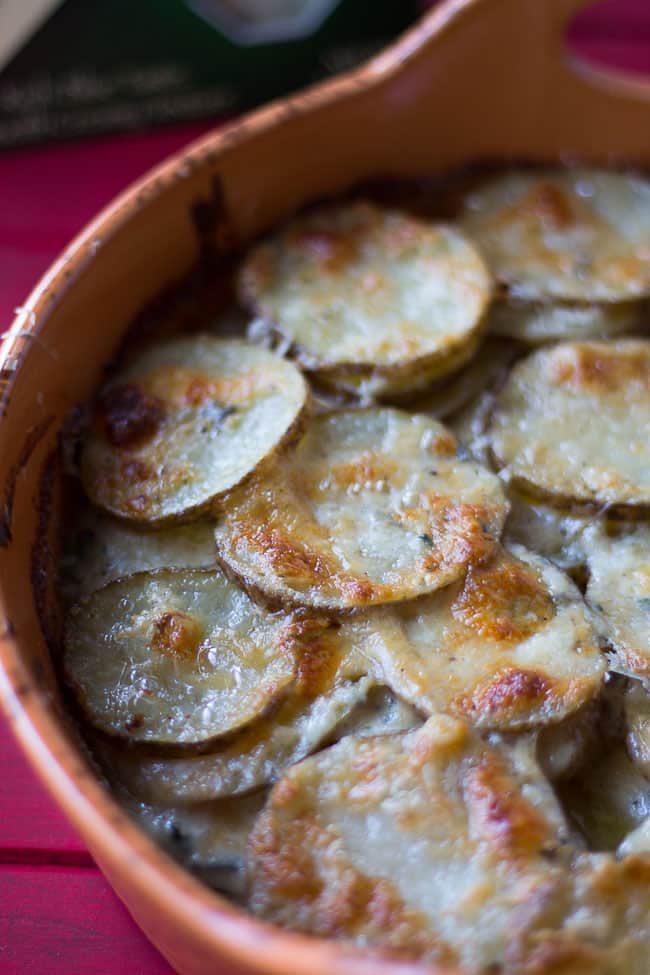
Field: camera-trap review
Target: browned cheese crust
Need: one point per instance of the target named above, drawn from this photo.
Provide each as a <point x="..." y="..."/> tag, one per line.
<point x="374" y="507"/>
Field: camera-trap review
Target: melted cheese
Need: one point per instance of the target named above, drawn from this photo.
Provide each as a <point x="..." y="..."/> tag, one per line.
<point x="511" y="646"/>
<point x="573" y="235"/>
<point x="177" y="657"/>
<point x="619" y="591"/>
<point x="374" y="506"/>
<point x="573" y="423"/>
<point x="185" y="422"/>
<point x="420" y="844"/>
<point x="361" y="291"/>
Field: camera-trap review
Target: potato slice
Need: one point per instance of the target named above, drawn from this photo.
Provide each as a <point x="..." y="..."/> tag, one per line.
<point x="100" y="549"/>
<point x="608" y="798"/>
<point x="636" y="706"/>
<point x="370" y="387"/>
<point x="258" y="757"/>
<point x="569" y="235"/>
<point x="487" y="368"/>
<point x="177" y="657"/>
<point x="334" y="677"/>
<point x="337" y="692"/>
<point x="255" y="758"/>
<point x="511" y="646"/>
<point x="554" y="533"/>
<point x="381" y="713"/>
<point x="365" y="293"/>
<point x="619" y="590"/>
<point x="374" y="507"/>
<point x="470" y="424"/>
<point x="539" y="323"/>
<point x="572" y="423"/>
<point x="185" y="422"/>
<point x="429" y="845"/>
<point x="208" y="838"/>
<point x="563" y="748"/>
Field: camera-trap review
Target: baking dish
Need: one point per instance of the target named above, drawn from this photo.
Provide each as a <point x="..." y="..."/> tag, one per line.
<point x="475" y="79"/>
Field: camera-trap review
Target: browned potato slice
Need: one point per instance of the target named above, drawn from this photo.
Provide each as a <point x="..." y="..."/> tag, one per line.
<point x="337" y="692"/>
<point x="368" y="295"/>
<point x="374" y="506"/>
<point x="541" y="323"/>
<point x="334" y="677"/>
<point x="430" y="844"/>
<point x="438" y="847"/>
<point x="177" y="657"/>
<point x="511" y="646"/>
<point x="573" y="235"/>
<point x="619" y="590"/>
<point x="353" y="705"/>
<point x="184" y="423"/>
<point x="255" y="758"/>
<point x="572" y="423"/>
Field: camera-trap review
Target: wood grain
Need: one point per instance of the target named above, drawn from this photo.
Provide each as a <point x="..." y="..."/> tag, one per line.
<point x="67" y="921"/>
<point x="31" y="827"/>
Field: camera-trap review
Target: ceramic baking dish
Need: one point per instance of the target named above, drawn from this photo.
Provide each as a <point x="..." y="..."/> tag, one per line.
<point x="475" y="79"/>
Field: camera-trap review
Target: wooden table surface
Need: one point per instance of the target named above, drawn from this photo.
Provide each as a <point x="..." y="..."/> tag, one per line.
<point x="57" y="914"/>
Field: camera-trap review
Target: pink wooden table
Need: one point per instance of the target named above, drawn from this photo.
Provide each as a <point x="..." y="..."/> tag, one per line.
<point x="57" y="914"/>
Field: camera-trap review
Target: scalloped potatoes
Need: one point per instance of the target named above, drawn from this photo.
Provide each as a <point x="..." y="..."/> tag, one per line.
<point x="355" y="687"/>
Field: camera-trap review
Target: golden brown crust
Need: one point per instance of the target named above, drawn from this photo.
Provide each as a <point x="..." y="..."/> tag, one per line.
<point x="176" y="634"/>
<point x="573" y="234"/>
<point x="511" y="646"/>
<point x="542" y="431"/>
<point x="356" y="906"/>
<point x="368" y="294"/>
<point x="503" y="601"/>
<point x="373" y="507"/>
<point x="440" y="842"/>
<point x="186" y="422"/>
<point x="334" y="851"/>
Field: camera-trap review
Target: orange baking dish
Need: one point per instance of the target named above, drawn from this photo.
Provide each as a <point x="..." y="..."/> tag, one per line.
<point x="475" y="79"/>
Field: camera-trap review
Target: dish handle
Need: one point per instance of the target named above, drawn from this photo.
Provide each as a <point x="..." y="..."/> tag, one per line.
<point x="506" y="69"/>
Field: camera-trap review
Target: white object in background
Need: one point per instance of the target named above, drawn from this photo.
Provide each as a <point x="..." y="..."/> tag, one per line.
<point x="19" y="19"/>
<point x="251" y="22"/>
